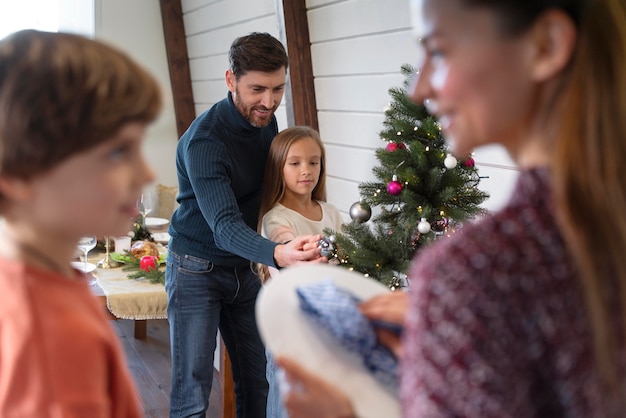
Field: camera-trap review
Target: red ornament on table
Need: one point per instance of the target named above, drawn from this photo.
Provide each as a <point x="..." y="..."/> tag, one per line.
<point x="148" y="263"/>
<point x="394" y="187"/>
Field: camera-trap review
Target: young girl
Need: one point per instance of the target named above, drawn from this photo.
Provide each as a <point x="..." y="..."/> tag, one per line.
<point x="293" y="204"/>
<point x="523" y="314"/>
<point x="72" y="118"/>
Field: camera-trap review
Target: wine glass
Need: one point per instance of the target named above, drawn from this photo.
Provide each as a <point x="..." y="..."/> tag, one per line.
<point x="144" y="206"/>
<point x="86" y="244"/>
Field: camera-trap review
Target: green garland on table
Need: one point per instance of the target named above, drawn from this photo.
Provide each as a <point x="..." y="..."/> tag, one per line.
<point x="153" y="275"/>
<point x="131" y="263"/>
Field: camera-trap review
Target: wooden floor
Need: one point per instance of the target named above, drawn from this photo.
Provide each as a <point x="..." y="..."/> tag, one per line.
<point x="150" y="364"/>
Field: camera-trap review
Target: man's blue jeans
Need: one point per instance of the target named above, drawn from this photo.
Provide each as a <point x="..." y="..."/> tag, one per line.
<point x="202" y="297"/>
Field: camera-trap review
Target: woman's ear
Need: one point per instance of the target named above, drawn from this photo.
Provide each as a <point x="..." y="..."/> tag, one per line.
<point x="554" y="40"/>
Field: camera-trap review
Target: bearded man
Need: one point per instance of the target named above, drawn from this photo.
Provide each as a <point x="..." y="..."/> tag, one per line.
<point x="209" y="281"/>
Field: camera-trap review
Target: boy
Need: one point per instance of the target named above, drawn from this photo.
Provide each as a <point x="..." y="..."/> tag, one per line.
<point x="72" y="119"/>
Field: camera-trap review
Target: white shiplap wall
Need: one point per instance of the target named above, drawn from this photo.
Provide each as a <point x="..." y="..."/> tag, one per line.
<point x="136" y="28"/>
<point x="357" y="48"/>
<point x="210" y="27"/>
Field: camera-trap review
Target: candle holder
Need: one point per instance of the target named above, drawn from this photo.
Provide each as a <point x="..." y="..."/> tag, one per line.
<point x="107" y="262"/>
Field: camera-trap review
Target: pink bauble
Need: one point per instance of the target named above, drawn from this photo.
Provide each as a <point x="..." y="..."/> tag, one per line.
<point x="392" y="146"/>
<point x="469" y="162"/>
<point x="394" y="187"/>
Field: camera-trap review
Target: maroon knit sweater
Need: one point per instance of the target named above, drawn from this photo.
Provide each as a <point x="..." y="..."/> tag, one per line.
<point x="497" y="325"/>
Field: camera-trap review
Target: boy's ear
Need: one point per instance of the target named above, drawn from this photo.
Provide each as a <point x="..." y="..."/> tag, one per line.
<point x="554" y="38"/>
<point x="15" y="188"/>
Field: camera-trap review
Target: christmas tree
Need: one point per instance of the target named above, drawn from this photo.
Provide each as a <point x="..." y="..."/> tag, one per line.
<point x="422" y="193"/>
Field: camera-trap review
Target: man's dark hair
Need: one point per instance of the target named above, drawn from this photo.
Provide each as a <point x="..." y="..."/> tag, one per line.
<point x="257" y="52"/>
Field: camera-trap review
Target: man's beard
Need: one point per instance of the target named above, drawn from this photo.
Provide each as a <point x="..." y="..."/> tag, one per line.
<point x="248" y="112"/>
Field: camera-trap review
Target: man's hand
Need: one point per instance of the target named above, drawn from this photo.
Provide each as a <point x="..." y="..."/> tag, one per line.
<point x="391" y="308"/>
<point x="299" y="249"/>
<point x="312" y="396"/>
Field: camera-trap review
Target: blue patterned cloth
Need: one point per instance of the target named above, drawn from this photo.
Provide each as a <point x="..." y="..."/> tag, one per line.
<point x="336" y="310"/>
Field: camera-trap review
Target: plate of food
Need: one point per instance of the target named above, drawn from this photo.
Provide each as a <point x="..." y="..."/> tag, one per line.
<point x="138" y="250"/>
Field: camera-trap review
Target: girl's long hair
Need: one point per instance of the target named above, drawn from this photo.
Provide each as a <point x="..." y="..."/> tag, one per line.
<point x="273" y="179"/>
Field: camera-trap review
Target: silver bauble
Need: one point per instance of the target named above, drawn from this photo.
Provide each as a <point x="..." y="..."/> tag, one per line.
<point x="360" y="212"/>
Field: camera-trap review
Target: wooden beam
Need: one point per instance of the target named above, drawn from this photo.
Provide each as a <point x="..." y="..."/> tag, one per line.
<point x="178" y="62"/>
<point x="300" y="63"/>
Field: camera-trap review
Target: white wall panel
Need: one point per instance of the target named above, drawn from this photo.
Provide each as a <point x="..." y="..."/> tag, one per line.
<point x="226" y="13"/>
<point x="218" y="41"/>
<point x="342" y="194"/>
<point x="144" y="41"/>
<point x="358" y="17"/>
<point x="209" y="68"/>
<point x="359" y="93"/>
<point x="350" y="163"/>
<point x="191" y="5"/>
<point x="351" y="129"/>
<point x="207" y="91"/>
<point x="312" y="4"/>
<point x="202" y="107"/>
<point x="354" y="56"/>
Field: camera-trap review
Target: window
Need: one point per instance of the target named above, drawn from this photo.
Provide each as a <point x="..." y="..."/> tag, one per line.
<point x="28" y="14"/>
<point x="75" y="16"/>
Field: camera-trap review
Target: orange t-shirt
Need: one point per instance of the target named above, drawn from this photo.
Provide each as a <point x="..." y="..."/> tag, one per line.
<point x="59" y="356"/>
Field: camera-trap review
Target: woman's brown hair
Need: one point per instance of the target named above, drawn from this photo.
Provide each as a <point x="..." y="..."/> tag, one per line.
<point x="589" y="178"/>
<point x="588" y="162"/>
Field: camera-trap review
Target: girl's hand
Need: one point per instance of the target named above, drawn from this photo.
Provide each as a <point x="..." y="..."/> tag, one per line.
<point x="311" y="396"/>
<point x="390" y="308"/>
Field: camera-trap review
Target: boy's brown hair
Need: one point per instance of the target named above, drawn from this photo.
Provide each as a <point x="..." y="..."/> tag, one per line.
<point x="61" y="94"/>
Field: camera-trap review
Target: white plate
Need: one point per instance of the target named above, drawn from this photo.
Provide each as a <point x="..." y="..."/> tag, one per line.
<point x="79" y="265"/>
<point x="286" y="331"/>
<point x="162" y="237"/>
<point x="156" y="222"/>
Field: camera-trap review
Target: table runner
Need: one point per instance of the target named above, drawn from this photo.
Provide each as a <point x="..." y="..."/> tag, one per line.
<point x="129" y="298"/>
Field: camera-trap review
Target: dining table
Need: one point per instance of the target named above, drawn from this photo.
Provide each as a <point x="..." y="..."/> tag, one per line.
<point x="139" y="300"/>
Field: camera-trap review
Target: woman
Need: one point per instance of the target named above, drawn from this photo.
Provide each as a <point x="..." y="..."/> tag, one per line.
<point x="523" y="314"/>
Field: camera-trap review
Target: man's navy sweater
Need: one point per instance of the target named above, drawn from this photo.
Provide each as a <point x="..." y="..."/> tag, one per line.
<point x="220" y="162"/>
